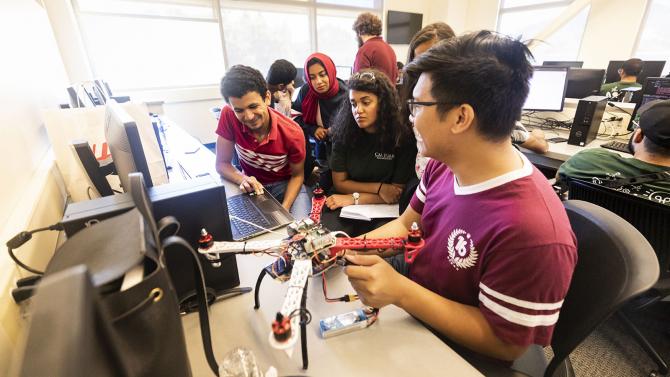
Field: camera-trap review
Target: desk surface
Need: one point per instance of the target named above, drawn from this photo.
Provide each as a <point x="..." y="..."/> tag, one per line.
<point x="396" y="345"/>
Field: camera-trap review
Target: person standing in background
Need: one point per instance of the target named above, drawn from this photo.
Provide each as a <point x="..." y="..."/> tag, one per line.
<point x="373" y="51"/>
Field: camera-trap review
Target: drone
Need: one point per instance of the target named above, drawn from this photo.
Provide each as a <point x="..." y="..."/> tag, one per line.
<point x="308" y="250"/>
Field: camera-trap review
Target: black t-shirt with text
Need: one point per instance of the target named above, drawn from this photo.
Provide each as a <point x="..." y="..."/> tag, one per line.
<point x="368" y="162"/>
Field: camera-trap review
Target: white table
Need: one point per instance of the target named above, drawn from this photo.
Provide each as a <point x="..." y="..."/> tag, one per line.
<point x="396" y="345"/>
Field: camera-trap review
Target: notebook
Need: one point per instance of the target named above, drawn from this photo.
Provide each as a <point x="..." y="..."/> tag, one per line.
<point x="368" y="212"/>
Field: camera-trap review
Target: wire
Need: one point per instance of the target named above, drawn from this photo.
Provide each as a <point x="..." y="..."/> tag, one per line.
<point x="23" y="237"/>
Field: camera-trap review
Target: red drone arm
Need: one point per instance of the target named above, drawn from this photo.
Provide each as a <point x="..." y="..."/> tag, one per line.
<point x="318" y="200"/>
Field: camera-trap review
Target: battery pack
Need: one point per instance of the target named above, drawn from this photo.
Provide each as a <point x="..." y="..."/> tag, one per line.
<point x="343" y="323"/>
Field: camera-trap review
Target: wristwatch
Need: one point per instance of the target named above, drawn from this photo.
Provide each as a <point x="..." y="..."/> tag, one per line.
<point x="356" y="197"/>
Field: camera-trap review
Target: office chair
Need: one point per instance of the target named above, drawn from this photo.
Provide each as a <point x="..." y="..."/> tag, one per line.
<point x="653" y="221"/>
<point x="615" y="263"/>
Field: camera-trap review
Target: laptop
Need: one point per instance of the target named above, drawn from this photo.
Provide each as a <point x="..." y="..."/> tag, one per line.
<point x="251" y="215"/>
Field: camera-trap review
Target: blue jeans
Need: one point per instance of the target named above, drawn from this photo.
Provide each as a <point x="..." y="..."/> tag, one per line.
<point x="301" y="206"/>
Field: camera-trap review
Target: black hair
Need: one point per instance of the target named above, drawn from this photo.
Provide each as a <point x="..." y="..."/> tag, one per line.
<point x="367" y="24"/>
<point x="487" y="70"/>
<point x="281" y="72"/>
<point x="632" y="67"/>
<point x="240" y="80"/>
<point x="313" y="61"/>
<point x="392" y="133"/>
<point x="437" y="31"/>
<point x="655" y="149"/>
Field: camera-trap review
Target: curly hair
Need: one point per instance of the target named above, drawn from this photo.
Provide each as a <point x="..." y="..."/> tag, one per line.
<point x="367" y="24"/>
<point x="437" y="31"/>
<point x="240" y="80"/>
<point x="392" y="133"/>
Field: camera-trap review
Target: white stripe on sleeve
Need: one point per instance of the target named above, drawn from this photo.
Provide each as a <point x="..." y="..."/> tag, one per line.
<point x="521" y="303"/>
<point x="522" y="319"/>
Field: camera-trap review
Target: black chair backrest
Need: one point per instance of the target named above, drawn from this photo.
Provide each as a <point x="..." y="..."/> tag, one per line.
<point x="615" y="263"/>
<point x="650" y="218"/>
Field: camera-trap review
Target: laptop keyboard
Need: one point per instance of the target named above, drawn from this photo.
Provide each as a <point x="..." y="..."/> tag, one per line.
<point x="242" y="206"/>
<point x="616" y="146"/>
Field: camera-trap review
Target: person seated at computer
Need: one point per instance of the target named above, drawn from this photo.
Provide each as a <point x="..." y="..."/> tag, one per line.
<point x="271" y="147"/>
<point x="373" y="152"/>
<point x="499" y="250"/>
<point x="532" y="140"/>
<point x="628" y="78"/>
<point x="319" y="100"/>
<point x="650" y="146"/>
<point x="281" y="78"/>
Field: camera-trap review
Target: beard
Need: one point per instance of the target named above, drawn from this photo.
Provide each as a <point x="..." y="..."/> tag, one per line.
<point x="359" y="40"/>
<point x="631" y="147"/>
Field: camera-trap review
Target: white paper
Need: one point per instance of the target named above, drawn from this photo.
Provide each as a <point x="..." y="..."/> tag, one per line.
<point x="370" y="211"/>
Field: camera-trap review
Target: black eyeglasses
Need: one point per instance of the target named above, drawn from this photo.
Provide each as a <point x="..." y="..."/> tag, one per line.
<point x="414" y="105"/>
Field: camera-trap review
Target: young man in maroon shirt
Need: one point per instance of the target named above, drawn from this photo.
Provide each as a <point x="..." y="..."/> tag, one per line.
<point x="270" y="146"/>
<point x="499" y="251"/>
<point x="373" y="51"/>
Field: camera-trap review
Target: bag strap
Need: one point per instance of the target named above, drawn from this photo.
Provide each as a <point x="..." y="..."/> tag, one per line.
<point x="141" y="199"/>
<point x="646" y="178"/>
<point x="178" y="244"/>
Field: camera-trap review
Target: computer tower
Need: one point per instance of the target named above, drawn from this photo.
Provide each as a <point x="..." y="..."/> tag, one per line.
<point x="196" y="204"/>
<point x="587" y="120"/>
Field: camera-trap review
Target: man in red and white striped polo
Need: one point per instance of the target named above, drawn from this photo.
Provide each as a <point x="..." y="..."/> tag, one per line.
<point x="270" y="146"/>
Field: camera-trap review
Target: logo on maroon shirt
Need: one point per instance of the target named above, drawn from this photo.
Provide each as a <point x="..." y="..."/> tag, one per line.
<point x="461" y="248"/>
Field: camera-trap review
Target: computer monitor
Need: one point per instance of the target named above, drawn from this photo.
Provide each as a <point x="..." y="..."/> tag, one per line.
<point x="402" y="26"/>
<point x="555" y="63"/>
<point x="125" y="145"/>
<point x="299" y="77"/>
<point x="584" y="82"/>
<point x="655" y="88"/>
<point x="343" y="72"/>
<point x="547" y="89"/>
<point x="650" y="68"/>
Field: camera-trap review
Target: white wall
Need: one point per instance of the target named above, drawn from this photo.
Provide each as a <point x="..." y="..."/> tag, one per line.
<point x="611" y="31"/>
<point x="32" y="77"/>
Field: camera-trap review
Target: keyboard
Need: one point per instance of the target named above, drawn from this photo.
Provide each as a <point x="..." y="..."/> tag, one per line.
<point x="618" y="146"/>
<point x="242" y="206"/>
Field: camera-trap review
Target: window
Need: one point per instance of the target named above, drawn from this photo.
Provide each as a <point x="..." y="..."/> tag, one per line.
<point x="257" y="37"/>
<point x="525" y="19"/>
<point x="160" y="44"/>
<point x="337" y="39"/>
<point x="135" y="45"/>
<point x="653" y="43"/>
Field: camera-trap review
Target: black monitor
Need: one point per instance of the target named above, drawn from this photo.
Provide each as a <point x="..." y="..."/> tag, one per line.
<point x="401" y="26"/>
<point x="547" y="89"/>
<point x="650" y="68"/>
<point x="654" y="89"/>
<point x="299" y="77"/>
<point x="584" y="82"/>
<point x="555" y="63"/>
<point x="125" y="145"/>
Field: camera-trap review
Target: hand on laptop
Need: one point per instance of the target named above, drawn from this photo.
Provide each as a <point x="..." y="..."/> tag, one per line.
<point x="251" y="184"/>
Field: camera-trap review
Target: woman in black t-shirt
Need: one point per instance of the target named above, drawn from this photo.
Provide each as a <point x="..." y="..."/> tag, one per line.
<point x="373" y="153"/>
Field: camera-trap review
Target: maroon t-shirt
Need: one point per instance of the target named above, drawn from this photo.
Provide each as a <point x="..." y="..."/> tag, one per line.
<point x="375" y="53"/>
<point x="504" y="245"/>
<point x="269" y="159"/>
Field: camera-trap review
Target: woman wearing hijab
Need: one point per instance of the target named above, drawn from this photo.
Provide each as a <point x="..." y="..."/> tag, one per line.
<point x="319" y="100"/>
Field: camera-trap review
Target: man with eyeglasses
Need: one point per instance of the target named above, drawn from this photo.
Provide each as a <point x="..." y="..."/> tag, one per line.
<point x="499" y="250"/>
